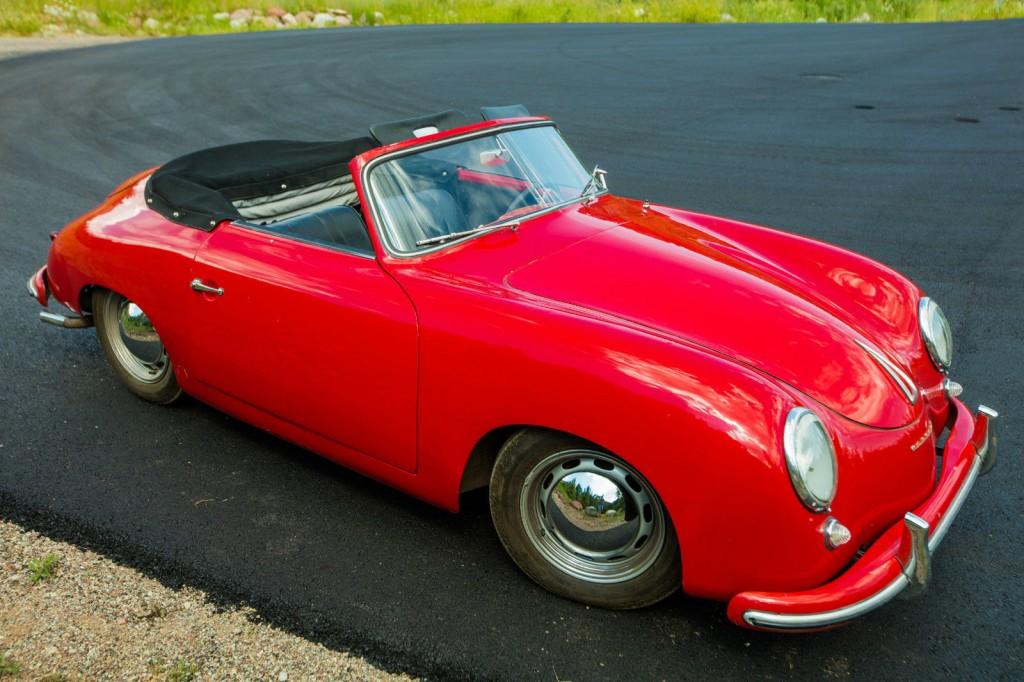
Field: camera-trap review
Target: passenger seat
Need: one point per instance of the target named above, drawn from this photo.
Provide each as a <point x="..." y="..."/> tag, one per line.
<point x="335" y="226"/>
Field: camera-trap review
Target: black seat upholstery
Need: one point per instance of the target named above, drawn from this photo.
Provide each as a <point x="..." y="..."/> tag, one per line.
<point x="335" y="226"/>
<point x="421" y="215"/>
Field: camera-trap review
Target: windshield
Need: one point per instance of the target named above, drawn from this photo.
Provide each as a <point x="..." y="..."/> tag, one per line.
<point x="488" y="180"/>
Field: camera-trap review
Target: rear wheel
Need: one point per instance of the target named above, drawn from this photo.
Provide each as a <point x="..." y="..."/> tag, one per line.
<point x="133" y="348"/>
<point x="582" y="522"/>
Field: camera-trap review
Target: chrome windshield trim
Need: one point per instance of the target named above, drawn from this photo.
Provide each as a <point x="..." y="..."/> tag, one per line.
<point x="808" y="621"/>
<point x="899" y="377"/>
<point x="384" y="230"/>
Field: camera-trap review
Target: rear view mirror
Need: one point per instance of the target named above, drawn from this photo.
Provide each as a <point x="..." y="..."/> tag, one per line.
<point x="494" y="157"/>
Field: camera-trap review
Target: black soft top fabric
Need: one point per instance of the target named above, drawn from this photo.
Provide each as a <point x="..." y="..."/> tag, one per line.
<point x="397" y="131"/>
<point x="197" y="189"/>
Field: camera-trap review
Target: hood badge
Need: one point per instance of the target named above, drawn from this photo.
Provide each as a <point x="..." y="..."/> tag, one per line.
<point x="899" y="377"/>
<point x="927" y="434"/>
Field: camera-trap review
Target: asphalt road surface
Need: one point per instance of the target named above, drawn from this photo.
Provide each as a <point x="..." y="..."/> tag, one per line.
<point x="902" y="142"/>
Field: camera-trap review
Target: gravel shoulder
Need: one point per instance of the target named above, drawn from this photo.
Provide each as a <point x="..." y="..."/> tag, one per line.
<point x="91" y="618"/>
<point x="16" y="47"/>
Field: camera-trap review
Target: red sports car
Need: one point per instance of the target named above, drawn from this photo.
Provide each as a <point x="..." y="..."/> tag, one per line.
<point x="655" y="398"/>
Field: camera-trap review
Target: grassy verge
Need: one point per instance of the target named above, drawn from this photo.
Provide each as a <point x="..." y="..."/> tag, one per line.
<point x="176" y="17"/>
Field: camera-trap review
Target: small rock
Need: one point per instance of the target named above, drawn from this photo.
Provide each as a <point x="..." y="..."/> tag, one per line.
<point x="321" y="19"/>
<point x="339" y="12"/>
<point x="151" y="24"/>
<point x="821" y="20"/>
<point x="270" y="22"/>
<point x="221" y="16"/>
<point x="238" y="23"/>
<point x="244" y="14"/>
<point x="288" y="19"/>
<point x="727" y="18"/>
<point x="275" y="12"/>
<point x="362" y="19"/>
<point x="88" y="18"/>
<point x="378" y="18"/>
<point x="639" y="12"/>
<point x="343" y="20"/>
<point x="282" y="676"/>
<point x="862" y="19"/>
<point x="304" y="17"/>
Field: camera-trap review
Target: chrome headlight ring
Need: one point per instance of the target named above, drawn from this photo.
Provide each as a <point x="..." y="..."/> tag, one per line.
<point x="810" y="459"/>
<point x="936" y="333"/>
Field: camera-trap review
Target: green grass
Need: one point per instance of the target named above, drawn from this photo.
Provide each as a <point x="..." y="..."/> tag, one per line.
<point x="42" y="568"/>
<point x="182" y="671"/>
<point x="176" y="17"/>
<point x="8" y="667"/>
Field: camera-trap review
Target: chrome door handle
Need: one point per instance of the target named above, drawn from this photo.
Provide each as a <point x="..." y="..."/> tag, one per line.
<point x="197" y="285"/>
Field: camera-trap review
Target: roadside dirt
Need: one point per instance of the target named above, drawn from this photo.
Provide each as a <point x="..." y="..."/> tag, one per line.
<point x="69" y="614"/>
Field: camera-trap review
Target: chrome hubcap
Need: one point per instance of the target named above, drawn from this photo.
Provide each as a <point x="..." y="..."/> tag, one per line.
<point x="592" y="516"/>
<point x="135" y="342"/>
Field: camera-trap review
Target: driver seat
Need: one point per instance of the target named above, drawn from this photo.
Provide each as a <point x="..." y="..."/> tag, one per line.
<point x="415" y="216"/>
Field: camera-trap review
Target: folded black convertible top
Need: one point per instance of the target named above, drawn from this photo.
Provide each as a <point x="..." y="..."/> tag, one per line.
<point x="197" y="189"/>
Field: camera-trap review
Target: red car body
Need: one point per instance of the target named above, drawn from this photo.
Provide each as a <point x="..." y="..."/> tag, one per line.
<point x="676" y="340"/>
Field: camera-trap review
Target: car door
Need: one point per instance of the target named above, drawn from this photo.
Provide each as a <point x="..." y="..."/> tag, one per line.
<point x="317" y="336"/>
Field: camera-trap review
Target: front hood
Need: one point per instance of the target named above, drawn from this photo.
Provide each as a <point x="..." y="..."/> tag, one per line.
<point x="674" y="277"/>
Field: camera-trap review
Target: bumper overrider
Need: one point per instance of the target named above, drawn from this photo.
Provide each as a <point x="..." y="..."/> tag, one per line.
<point x="899" y="562"/>
<point x="39" y="289"/>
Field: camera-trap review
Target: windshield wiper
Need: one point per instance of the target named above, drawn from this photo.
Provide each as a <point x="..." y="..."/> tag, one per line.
<point x="440" y="239"/>
<point x="596" y="179"/>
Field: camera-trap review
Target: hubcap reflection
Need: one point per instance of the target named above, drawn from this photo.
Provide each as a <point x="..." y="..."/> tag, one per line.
<point x="135" y="342"/>
<point x="592" y="516"/>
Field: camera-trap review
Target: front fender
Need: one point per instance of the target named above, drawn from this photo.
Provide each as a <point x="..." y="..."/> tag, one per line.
<point x="704" y="431"/>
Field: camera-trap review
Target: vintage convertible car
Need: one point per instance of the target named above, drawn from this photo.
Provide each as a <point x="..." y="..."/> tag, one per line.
<point x="655" y="398"/>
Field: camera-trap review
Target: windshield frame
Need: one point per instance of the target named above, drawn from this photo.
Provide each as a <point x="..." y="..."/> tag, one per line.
<point x="384" y="229"/>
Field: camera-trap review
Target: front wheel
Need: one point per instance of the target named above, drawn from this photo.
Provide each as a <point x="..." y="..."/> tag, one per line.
<point x="583" y="523"/>
<point x="133" y="348"/>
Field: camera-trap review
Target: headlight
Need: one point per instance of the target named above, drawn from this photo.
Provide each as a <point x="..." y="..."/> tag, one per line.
<point x="935" y="331"/>
<point x="810" y="459"/>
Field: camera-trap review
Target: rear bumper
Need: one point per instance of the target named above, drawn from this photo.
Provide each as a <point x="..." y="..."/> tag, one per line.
<point x="38" y="288"/>
<point x="899" y="562"/>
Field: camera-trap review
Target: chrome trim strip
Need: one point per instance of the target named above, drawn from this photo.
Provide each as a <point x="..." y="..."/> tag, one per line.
<point x="807" y="621"/>
<point x="899" y="377"/>
<point x="384" y="231"/>
<point x="954" y="507"/>
<point x="340" y="248"/>
<point x="31" y="284"/>
<point x="802" y="621"/>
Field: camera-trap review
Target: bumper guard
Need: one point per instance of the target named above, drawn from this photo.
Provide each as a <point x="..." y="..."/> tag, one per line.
<point x="898" y="563"/>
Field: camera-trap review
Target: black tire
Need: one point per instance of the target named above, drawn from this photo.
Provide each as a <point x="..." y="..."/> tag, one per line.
<point x="150" y="378"/>
<point x="520" y="470"/>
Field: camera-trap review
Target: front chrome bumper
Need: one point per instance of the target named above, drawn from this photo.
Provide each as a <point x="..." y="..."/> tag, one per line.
<point x="896" y="564"/>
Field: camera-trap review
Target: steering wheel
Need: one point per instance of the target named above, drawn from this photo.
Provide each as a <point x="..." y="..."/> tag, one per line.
<point x="519" y="201"/>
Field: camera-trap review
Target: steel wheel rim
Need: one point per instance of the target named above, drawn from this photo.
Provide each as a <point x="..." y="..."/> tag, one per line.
<point x="611" y="532"/>
<point x="135" y="342"/>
